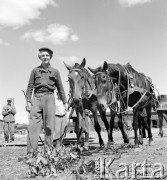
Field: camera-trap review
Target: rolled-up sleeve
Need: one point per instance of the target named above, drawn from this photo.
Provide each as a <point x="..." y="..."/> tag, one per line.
<point x="60" y="88"/>
<point x="30" y="86"/>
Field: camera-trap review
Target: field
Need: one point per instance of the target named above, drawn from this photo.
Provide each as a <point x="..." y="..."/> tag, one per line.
<point x="13" y="169"/>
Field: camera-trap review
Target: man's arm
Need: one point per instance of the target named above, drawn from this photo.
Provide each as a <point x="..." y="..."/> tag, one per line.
<point x="4" y="111"/>
<point x="13" y="110"/>
<point x="30" y="87"/>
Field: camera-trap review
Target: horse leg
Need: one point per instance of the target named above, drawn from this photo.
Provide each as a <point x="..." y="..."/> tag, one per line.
<point x="97" y="126"/>
<point x="135" y="127"/>
<point x="81" y="139"/>
<point x="79" y="131"/>
<point x="148" y="108"/>
<point x="160" y="117"/>
<point x="141" y="129"/>
<point x="86" y="130"/>
<point x="110" y="129"/>
<point x="122" y="128"/>
<point x="86" y="145"/>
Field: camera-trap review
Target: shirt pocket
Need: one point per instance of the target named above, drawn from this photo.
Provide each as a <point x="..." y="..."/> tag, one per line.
<point x="38" y="78"/>
<point x="52" y="79"/>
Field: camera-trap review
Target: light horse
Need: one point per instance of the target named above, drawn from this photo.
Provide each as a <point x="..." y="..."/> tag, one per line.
<point x="84" y="96"/>
<point x="161" y="108"/>
<point x="133" y="89"/>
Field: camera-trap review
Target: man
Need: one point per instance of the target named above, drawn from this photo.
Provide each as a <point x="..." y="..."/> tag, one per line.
<point x="8" y="112"/>
<point x="43" y="80"/>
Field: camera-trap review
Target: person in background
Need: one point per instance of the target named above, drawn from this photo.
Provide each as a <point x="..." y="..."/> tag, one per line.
<point x="60" y="125"/>
<point x="8" y="113"/>
<point x="44" y="79"/>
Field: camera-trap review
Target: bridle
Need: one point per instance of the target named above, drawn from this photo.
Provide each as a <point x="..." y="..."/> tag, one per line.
<point x="111" y="94"/>
<point x="84" y="94"/>
<point x="116" y="92"/>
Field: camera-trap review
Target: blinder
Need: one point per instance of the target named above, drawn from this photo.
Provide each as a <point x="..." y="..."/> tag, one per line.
<point x="111" y="95"/>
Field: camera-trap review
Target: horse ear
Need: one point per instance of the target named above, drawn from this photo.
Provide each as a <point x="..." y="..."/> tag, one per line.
<point x="94" y="71"/>
<point x="83" y="63"/>
<point x="67" y="66"/>
<point x="105" y="66"/>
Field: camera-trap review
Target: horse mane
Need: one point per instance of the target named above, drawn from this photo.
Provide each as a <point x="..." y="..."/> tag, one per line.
<point x="115" y="68"/>
<point x="131" y="69"/>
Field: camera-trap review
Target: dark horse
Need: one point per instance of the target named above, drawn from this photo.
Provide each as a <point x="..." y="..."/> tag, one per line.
<point x="161" y="111"/>
<point x="132" y="89"/>
<point x="83" y="93"/>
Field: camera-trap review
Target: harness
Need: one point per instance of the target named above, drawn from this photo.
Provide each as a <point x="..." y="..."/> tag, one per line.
<point x="84" y="94"/>
<point x="111" y="95"/>
<point x="121" y="95"/>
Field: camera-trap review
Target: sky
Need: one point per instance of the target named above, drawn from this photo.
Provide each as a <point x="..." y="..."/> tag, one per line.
<point x="115" y="31"/>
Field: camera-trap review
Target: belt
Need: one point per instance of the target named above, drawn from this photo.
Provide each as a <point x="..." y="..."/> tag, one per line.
<point x="42" y="94"/>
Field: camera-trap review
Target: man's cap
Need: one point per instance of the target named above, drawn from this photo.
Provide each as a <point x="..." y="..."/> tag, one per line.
<point x="9" y="99"/>
<point x="46" y="49"/>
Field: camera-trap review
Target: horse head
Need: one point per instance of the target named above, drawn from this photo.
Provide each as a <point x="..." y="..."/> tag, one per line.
<point x="104" y="86"/>
<point x="80" y="81"/>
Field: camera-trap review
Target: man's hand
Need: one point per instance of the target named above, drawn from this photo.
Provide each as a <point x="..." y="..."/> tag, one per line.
<point x="28" y="107"/>
<point x="9" y="109"/>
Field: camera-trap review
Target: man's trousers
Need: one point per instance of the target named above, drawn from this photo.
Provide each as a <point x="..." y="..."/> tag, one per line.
<point x="42" y="115"/>
<point x="9" y="131"/>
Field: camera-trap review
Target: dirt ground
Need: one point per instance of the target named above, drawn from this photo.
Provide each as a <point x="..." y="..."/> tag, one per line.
<point x="126" y="158"/>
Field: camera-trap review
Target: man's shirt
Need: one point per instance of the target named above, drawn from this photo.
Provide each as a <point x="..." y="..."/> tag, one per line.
<point x="45" y="81"/>
<point x="9" y="116"/>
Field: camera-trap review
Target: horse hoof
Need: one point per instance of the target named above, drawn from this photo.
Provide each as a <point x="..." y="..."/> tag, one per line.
<point x="102" y="146"/>
<point x="128" y="145"/>
<point x="141" y="142"/>
<point x="99" y="149"/>
<point x="111" y="143"/>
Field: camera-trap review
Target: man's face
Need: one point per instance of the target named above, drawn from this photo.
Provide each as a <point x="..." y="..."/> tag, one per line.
<point x="9" y="102"/>
<point x="45" y="57"/>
